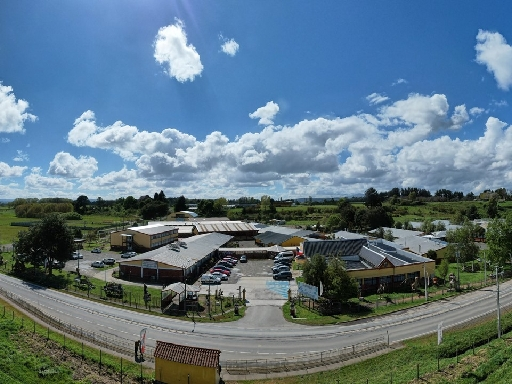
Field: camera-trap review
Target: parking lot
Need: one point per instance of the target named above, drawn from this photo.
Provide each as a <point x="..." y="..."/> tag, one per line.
<point x="255" y="277"/>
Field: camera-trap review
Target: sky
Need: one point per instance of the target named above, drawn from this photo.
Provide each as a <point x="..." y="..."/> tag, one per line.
<point x="232" y="98"/>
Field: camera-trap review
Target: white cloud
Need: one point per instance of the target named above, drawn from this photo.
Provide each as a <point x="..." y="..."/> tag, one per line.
<point x="125" y="140"/>
<point x="21" y="156"/>
<point x="55" y="185"/>
<point x="230" y="47"/>
<point x="376" y="98"/>
<point x="476" y="111"/>
<point x="5" y="140"/>
<point x="13" y="113"/>
<point x="68" y="166"/>
<point x="403" y="145"/>
<point x="8" y="171"/>
<point x="399" y="81"/>
<point x="172" y="50"/>
<point x="493" y="51"/>
<point x="266" y="114"/>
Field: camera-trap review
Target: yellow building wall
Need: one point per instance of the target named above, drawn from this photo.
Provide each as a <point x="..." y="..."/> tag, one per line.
<point x="177" y="373"/>
<point x="141" y="239"/>
<point x="293" y="242"/>
<point x="402" y="270"/>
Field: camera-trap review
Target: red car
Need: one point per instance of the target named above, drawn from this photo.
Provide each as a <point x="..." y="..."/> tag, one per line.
<point x="221" y="270"/>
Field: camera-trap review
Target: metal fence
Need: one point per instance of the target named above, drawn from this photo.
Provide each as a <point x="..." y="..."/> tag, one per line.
<point x="305" y="361"/>
<point x="119" y="344"/>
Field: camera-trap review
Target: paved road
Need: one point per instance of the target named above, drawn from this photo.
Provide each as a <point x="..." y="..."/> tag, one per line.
<point x="261" y="334"/>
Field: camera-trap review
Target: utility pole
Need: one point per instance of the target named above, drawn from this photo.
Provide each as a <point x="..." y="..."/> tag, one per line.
<point x="426" y="284"/>
<point x="498" y="302"/>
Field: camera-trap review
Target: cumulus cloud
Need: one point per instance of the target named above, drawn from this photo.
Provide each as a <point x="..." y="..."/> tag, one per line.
<point x="13" y="113"/>
<point x="68" y="166"/>
<point x="376" y="98"/>
<point x="125" y="140"/>
<point x="265" y="114"/>
<point x="407" y="143"/>
<point x="172" y="50"/>
<point x="55" y="185"/>
<point x="493" y="51"/>
<point x="8" y="171"/>
<point x="229" y="47"/>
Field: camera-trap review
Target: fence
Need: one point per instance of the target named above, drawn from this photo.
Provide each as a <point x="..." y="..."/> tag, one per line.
<point x="306" y="361"/>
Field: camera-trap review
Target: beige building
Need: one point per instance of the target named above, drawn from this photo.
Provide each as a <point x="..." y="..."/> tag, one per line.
<point x="375" y="263"/>
<point x="143" y="238"/>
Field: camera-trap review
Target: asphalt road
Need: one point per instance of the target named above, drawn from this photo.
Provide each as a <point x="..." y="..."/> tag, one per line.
<point x="262" y="334"/>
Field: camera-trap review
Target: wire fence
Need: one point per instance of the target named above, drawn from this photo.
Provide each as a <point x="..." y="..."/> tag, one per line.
<point x="305" y="361"/>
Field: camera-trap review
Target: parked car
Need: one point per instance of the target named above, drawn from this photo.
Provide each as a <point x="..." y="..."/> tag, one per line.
<point x="58" y="264"/>
<point x="209" y="279"/>
<point x="109" y="261"/>
<point x="230" y="260"/>
<point x="243" y="259"/>
<point x="77" y="255"/>
<point x="221" y="270"/>
<point x="191" y="296"/>
<point x="283" y="275"/>
<point x="96" y="250"/>
<point x="128" y="255"/>
<point x="283" y="262"/>
<point x="97" y="264"/>
<point x="222" y="276"/>
<point x="279" y="268"/>
<point x="224" y="264"/>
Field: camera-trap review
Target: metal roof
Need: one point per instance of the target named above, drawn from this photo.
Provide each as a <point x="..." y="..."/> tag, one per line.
<point x="185" y="254"/>
<point x="151" y="229"/>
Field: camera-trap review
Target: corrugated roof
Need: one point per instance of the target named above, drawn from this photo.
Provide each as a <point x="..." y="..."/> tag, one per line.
<point x="183" y="354"/>
<point x="333" y="247"/>
<point x="187" y="253"/>
<point x="152" y="229"/>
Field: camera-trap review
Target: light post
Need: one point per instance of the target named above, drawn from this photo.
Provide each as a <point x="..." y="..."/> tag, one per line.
<point x="426" y="284"/>
<point x="498" y="302"/>
<point x="457" y="255"/>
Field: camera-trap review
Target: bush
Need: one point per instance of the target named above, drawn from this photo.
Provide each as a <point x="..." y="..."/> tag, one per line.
<point x="71" y="216"/>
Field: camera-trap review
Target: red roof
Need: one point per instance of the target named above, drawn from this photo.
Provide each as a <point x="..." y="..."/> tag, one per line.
<point x="183" y="354"/>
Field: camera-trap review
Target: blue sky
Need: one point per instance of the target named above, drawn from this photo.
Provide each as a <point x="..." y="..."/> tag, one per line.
<point x="211" y="99"/>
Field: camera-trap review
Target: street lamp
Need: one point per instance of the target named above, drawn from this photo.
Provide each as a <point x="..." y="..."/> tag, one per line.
<point x="498" y="302"/>
<point x="457" y="255"/>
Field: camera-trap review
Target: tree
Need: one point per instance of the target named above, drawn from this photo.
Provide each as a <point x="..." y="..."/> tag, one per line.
<point x="130" y="203"/>
<point x="181" y="204"/>
<point x="492" y="207"/>
<point x="333" y="222"/>
<point x="378" y="217"/>
<point x="462" y="242"/>
<point x="81" y="203"/>
<point x="338" y="284"/>
<point x="427" y="226"/>
<point x="499" y="240"/>
<point x="443" y="268"/>
<point x="50" y="239"/>
<point x="314" y="270"/>
<point x="154" y="209"/>
<point x="388" y="235"/>
<point x="372" y="198"/>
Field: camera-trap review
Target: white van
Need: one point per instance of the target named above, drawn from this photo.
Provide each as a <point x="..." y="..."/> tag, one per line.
<point x="210" y="279"/>
<point x="285" y="254"/>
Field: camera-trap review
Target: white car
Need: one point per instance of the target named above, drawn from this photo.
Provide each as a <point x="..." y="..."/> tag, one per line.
<point x="98" y="264"/>
<point x="210" y="279"/>
<point x="221" y="275"/>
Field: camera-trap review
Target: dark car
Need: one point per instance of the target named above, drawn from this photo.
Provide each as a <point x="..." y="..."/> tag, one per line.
<point x="279" y="268"/>
<point x="283" y="275"/>
<point x="243" y="259"/>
